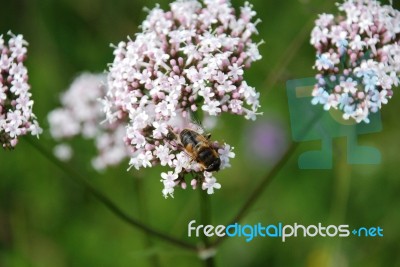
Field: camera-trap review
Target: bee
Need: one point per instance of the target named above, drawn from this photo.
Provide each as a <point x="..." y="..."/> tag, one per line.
<point x="200" y="149"/>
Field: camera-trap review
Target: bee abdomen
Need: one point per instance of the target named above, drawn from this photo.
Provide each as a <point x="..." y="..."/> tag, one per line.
<point x="207" y="155"/>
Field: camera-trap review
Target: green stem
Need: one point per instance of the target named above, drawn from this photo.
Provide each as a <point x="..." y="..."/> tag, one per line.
<point x="341" y="191"/>
<point x="276" y="73"/>
<point x="341" y="187"/>
<point x="292" y="50"/>
<point x="269" y="177"/>
<point x="141" y="200"/>
<point x="205" y="219"/>
<point x="108" y="203"/>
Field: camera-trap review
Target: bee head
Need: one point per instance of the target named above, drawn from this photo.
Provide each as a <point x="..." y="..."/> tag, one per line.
<point x="214" y="166"/>
<point x="170" y="135"/>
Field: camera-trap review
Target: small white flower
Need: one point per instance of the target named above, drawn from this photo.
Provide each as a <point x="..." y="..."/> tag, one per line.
<point x="210" y="183"/>
<point x="134" y="161"/>
<point x="357" y="43"/>
<point x="379" y="98"/>
<point x="235" y="71"/>
<point x="160" y="129"/>
<point x="206" y="92"/>
<point x="168" y="191"/>
<point x="15" y="118"/>
<point x="323" y="62"/>
<point x="319" y="35"/>
<point x="162" y="152"/>
<point x="236" y="106"/>
<point x="212" y="107"/>
<point x="137" y="139"/>
<point x="168" y="179"/>
<point x="324" y="20"/>
<point x="12" y="130"/>
<point x="320" y="96"/>
<point x="63" y="152"/>
<point x="349" y="86"/>
<point x="141" y="120"/>
<point x="365" y="22"/>
<point x="181" y="162"/>
<point x="226" y="87"/>
<point x="163" y="108"/>
<point x="145" y="159"/>
<point x="3" y="95"/>
<point x="35" y="129"/>
<point x="5" y="61"/>
<point x="225" y="153"/>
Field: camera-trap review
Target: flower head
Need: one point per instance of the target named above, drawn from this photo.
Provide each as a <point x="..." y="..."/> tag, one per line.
<point x="358" y="56"/>
<point x="81" y="114"/>
<point x="16" y="116"/>
<point x="189" y="58"/>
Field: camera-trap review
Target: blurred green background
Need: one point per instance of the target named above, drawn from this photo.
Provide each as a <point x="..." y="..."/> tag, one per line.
<point x="47" y="220"/>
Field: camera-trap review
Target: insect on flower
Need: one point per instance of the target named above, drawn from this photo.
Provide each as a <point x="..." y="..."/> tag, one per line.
<point x="199" y="148"/>
<point x="189" y="58"/>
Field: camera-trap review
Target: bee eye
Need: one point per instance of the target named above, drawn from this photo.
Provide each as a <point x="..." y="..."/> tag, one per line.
<point x="170" y="135"/>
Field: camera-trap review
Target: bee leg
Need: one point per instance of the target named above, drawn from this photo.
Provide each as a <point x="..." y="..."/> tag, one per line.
<point x="180" y="146"/>
<point x="149" y="139"/>
<point x="175" y="145"/>
<point x="173" y="139"/>
<point x="208" y="136"/>
<point x="203" y="168"/>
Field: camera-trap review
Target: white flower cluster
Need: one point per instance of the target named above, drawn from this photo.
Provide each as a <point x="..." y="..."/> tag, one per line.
<point x="81" y="114"/>
<point x="184" y="59"/>
<point x="358" y="58"/>
<point x="16" y="116"/>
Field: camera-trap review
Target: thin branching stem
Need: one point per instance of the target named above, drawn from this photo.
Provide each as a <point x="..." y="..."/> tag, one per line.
<point x="108" y="203"/>
<point x="263" y="184"/>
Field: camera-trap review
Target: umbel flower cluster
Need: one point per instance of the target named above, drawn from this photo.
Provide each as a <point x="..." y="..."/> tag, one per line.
<point x="16" y="116"/>
<point x="358" y="58"/>
<point x="186" y="60"/>
<point x="81" y="114"/>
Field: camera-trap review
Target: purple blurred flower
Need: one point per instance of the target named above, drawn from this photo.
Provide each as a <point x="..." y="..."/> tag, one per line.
<point x="266" y="141"/>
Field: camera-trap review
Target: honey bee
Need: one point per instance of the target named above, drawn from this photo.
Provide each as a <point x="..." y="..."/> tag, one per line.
<point x="200" y="149"/>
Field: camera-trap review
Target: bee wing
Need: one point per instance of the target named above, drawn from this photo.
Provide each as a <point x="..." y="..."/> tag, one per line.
<point x="192" y="159"/>
<point x="198" y="127"/>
